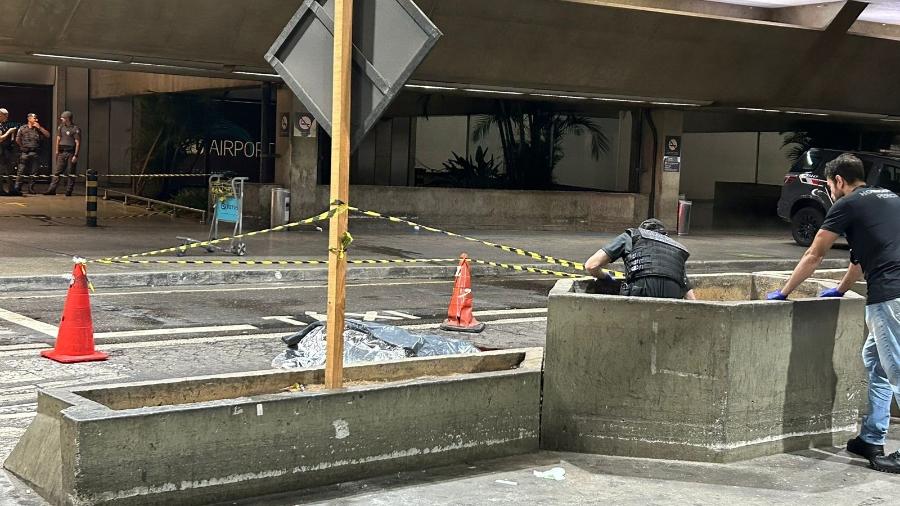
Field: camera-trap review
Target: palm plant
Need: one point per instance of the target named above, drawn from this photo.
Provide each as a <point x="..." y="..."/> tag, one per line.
<point x="531" y="139"/>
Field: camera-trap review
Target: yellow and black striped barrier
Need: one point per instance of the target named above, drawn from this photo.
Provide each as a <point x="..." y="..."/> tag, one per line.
<point x="335" y="209"/>
<point x="578" y="266"/>
<point x="374" y="261"/>
<point x="371" y="261"/>
<point x="91" y="199"/>
<point x="45" y="217"/>
<point x="80" y="176"/>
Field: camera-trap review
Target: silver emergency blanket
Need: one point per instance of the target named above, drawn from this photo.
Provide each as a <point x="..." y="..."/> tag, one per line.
<point x="365" y="342"/>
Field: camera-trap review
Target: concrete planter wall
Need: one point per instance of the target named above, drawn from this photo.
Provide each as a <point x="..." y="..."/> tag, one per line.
<point x="467" y="207"/>
<point x="216" y="438"/>
<point x="716" y="380"/>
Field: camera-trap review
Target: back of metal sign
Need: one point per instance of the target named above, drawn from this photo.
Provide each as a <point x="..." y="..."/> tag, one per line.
<point x="390" y="39"/>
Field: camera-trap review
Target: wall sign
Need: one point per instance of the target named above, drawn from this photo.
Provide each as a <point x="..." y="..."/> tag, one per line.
<point x="672" y="154"/>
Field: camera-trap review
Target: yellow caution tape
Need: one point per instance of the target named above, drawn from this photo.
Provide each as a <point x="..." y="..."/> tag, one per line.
<point x="578" y="266"/>
<point x="81" y="176"/>
<point x="200" y="244"/>
<point x="104" y="218"/>
<point x="374" y="261"/>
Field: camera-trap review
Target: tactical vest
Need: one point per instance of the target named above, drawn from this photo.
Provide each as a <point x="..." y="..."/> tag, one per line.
<point x="655" y="254"/>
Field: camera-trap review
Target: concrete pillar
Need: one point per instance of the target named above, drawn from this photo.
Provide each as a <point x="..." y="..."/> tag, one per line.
<point x="296" y="167"/>
<point x="659" y="185"/>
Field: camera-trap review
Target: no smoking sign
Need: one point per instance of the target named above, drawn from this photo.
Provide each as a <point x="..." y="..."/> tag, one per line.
<point x="304" y="125"/>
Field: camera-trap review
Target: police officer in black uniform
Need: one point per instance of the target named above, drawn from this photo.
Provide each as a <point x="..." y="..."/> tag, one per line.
<point x="7" y="150"/>
<point x="654" y="263"/>
<point x="29" y="138"/>
<point x="68" y="144"/>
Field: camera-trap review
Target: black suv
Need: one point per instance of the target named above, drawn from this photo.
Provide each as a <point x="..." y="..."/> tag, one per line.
<point x="804" y="209"/>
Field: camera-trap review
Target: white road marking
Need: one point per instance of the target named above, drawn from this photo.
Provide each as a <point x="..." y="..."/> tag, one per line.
<point x="251" y="337"/>
<point x="179" y="330"/>
<point x="403" y="315"/>
<point x="491" y="322"/>
<point x="498" y="312"/>
<point x="198" y="340"/>
<point x="13" y="347"/>
<point x="30" y="323"/>
<point x="11" y="416"/>
<point x="244" y="289"/>
<point x="285" y="319"/>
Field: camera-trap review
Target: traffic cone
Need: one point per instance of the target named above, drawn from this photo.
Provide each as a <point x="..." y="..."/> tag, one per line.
<point x="459" y="314"/>
<point x="75" y="340"/>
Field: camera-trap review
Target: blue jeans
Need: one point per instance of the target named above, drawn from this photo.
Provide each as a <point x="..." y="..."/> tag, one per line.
<point x="881" y="356"/>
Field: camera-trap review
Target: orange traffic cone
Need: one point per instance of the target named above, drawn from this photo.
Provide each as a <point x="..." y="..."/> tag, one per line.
<point x="75" y="340"/>
<point x="459" y="314"/>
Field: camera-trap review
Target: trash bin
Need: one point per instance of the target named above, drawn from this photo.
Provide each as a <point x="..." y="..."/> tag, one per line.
<point x="281" y="207"/>
<point x="684" y="217"/>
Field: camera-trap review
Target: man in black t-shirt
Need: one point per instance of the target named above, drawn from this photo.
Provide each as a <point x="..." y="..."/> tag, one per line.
<point x="870" y="218"/>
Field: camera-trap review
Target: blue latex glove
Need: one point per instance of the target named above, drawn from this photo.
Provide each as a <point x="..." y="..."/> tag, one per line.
<point x="831" y="292"/>
<point x="776" y="295"/>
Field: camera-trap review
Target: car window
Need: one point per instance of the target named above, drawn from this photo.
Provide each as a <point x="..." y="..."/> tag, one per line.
<point x="888" y="178"/>
<point x="807" y="162"/>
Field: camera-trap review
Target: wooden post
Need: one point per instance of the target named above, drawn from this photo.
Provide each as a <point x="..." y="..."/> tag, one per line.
<point x="340" y="190"/>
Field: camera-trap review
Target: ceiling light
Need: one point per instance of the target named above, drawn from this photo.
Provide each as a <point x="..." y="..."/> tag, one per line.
<point x="498" y="92"/>
<point x="429" y="87"/>
<point x="255" y="74"/>
<point x="678" y="104"/>
<point x="807" y="113"/>
<point x="155" y="65"/>
<point x="550" y="95"/>
<point x="80" y="58"/>
<point x="608" y="99"/>
<point x="757" y="109"/>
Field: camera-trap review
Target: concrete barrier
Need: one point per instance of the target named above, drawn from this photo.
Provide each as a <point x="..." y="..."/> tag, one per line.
<point x="860" y="287"/>
<point x="722" y="379"/>
<point x="217" y="438"/>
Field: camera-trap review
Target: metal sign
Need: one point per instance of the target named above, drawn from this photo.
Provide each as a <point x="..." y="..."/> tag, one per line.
<point x="390" y="39"/>
<point x="672" y="155"/>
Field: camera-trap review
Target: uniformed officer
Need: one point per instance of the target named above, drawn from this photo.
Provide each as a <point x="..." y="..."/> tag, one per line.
<point x="68" y="144"/>
<point x="29" y="138"/>
<point x="7" y="150"/>
<point x="654" y="263"/>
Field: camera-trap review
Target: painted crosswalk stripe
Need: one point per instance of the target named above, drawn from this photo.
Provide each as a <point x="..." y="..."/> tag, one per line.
<point x="30" y="323"/>
<point x="534" y="319"/>
<point x="499" y="312"/>
<point x="31" y="346"/>
<point x="179" y="330"/>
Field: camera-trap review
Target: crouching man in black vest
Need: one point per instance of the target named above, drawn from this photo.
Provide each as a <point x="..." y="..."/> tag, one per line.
<point x="654" y="263"/>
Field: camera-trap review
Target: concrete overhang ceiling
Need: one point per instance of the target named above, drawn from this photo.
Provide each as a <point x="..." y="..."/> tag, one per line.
<point x="811" y="59"/>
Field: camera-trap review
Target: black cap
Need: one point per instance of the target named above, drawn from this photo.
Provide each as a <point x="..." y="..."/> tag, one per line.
<point x="654" y="225"/>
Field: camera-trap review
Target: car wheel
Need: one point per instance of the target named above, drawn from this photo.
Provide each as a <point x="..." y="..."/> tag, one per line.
<point x="805" y="224"/>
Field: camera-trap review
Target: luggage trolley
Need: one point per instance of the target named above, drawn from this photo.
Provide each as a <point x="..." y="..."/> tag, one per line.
<point x="228" y="207"/>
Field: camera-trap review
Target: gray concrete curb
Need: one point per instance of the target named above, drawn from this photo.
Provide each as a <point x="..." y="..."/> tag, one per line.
<point x="354" y="273"/>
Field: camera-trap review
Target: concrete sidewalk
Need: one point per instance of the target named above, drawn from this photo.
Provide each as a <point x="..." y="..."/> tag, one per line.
<point x="821" y="476"/>
<point x="35" y="241"/>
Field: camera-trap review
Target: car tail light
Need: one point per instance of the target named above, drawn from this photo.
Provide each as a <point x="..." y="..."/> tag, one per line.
<point x="790" y="178"/>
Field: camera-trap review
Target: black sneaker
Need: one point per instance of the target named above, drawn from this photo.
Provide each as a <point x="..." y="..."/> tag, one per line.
<point x="889" y="464"/>
<point x="867" y="450"/>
